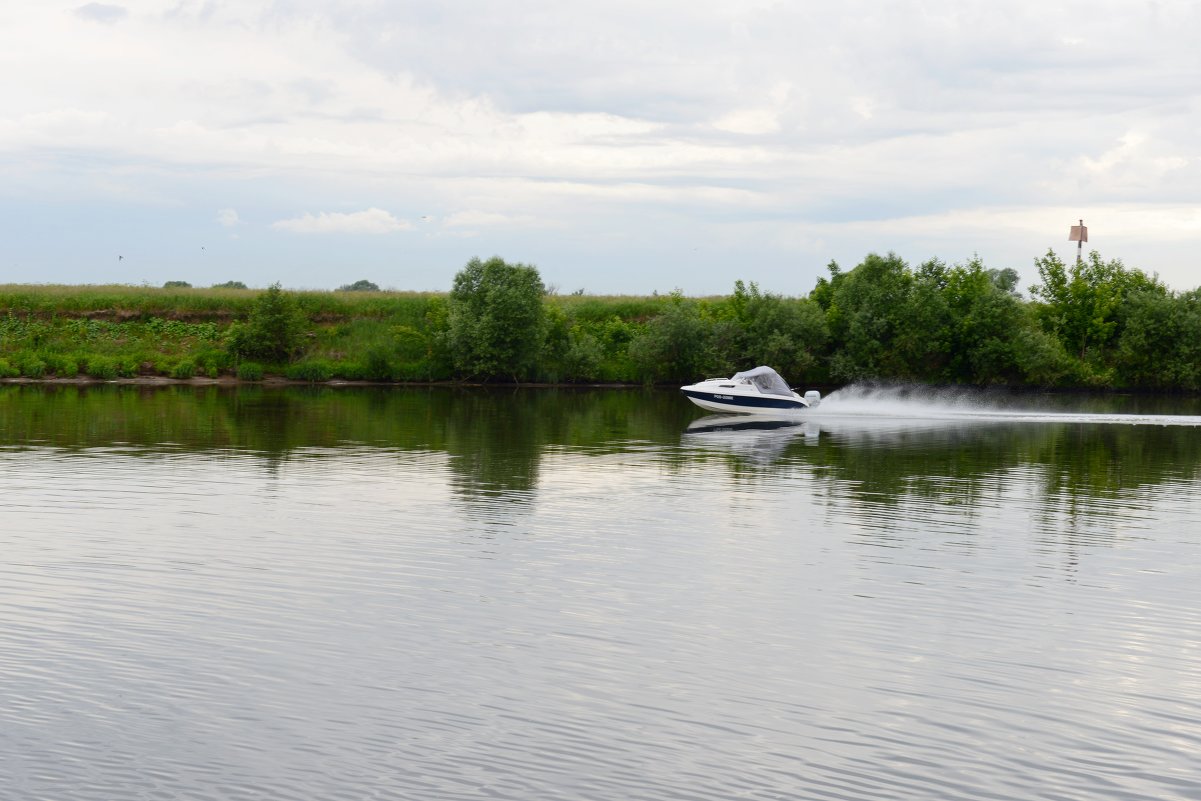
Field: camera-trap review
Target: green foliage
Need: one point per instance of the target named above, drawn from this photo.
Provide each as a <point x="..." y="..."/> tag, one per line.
<point x="362" y="285"/>
<point x="184" y="368"/>
<point x="274" y="330"/>
<point x="314" y="370"/>
<point x="983" y="315"/>
<point x="177" y="285"/>
<point x="230" y="285"/>
<point x="250" y="371"/>
<point x="496" y="318"/>
<point x="1096" y="323"/>
<point x="61" y="365"/>
<point x="102" y="367"/>
<point x="675" y="345"/>
<point x="1082" y="302"/>
<point x="785" y="333"/>
<point x="1005" y="280"/>
<point x="1160" y="343"/>
<point x="865" y="315"/>
<point x="31" y="365"/>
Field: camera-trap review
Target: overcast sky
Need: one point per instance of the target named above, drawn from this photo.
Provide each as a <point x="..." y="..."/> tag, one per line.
<point x="620" y="147"/>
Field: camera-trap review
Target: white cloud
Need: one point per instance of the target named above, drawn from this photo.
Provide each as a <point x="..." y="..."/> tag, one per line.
<point x="228" y="218"/>
<point x="748" y="121"/>
<point x="101" y="12"/>
<point x="369" y="221"/>
<point x="588" y="122"/>
<point x="485" y="219"/>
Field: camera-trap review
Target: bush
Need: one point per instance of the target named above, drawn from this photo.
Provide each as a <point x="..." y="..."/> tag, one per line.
<point x="177" y="285"/>
<point x="7" y="370"/>
<point x="61" y="366"/>
<point x="362" y="285"/>
<point x="496" y="319"/>
<point x="32" y="366"/>
<point x="185" y="368"/>
<point x="674" y="345"/>
<point x="274" y="330"/>
<point x="102" y="367"/>
<point x="250" y="371"/>
<point x="377" y="365"/>
<point x="315" y="370"/>
<point x="230" y="285"/>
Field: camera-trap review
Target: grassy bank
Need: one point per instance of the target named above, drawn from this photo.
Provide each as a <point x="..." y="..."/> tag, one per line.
<point x="117" y="331"/>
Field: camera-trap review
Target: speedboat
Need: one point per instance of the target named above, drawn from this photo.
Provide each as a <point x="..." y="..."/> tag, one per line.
<point x="757" y="391"/>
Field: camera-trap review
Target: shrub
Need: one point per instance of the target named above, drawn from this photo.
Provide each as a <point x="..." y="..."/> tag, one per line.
<point x="7" y="370"/>
<point x="673" y="345"/>
<point x="62" y="366"/>
<point x="250" y="371"/>
<point x="185" y="368"/>
<point x="496" y="318"/>
<point x="352" y="371"/>
<point x="102" y="367"/>
<point x="362" y="285"/>
<point x="32" y="366"/>
<point x="274" y="330"/>
<point x="377" y="365"/>
<point x="315" y="370"/>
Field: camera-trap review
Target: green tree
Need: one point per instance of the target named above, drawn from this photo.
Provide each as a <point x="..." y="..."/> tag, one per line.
<point x="823" y="292"/>
<point x="1081" y="302"/>
<point x="362" y="285"/>
<point x="177" y="285"/>
<point x="865" y="315"/>
<point x="1160" y="344"/>
<point x="274" y="330"/>
<point x="984" y="316"/>
<point x="785" y="333"/>
<point x="230" y="285"/>
<point x="675" y="345"/>
<point x="1005" y="279"/>
<point x="925" y="326"/>
<point x="496" y="317"/>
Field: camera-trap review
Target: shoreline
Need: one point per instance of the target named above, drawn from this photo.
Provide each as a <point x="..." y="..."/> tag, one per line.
<point x="279" y="382"/>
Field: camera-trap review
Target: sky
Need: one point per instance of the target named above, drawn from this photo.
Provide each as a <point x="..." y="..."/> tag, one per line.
<point x="619" y="147"/>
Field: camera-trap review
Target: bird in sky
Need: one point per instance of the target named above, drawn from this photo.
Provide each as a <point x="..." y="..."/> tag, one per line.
<point x="119" y="258"/>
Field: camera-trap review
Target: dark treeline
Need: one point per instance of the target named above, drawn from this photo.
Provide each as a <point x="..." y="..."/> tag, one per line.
<point x="1095" y="323"/>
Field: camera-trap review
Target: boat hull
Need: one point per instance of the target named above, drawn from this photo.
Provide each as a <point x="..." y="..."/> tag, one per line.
<point x="734" y="403"/>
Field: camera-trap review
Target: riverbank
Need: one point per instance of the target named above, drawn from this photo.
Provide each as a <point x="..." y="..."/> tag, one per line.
<point x="279" y="381"/>
<point x="1092" y="326"/>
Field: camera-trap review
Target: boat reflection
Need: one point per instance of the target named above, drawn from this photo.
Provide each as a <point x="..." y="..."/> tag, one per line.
<point x="761" y="440"/>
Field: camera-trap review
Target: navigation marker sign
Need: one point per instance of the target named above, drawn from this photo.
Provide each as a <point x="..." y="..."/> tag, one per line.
<point x="1079" y="235"/>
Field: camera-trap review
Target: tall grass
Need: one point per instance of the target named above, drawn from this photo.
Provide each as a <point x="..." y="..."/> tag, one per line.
<point x="125" y="302"/>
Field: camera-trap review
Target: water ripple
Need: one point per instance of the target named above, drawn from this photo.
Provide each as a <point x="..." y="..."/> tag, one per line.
<point x="833" y="616"/>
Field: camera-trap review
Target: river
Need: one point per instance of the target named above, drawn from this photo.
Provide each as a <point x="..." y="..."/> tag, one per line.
<point x="360" y="593"/>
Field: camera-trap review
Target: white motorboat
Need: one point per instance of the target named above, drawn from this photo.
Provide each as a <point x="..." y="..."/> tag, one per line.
<point x="757" y="391"/>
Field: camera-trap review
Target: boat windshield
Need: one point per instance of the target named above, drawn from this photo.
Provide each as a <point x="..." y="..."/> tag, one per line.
<point x="767" y="379"/>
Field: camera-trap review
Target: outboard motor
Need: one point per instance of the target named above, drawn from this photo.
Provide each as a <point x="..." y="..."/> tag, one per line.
<point x="813" y="398"/>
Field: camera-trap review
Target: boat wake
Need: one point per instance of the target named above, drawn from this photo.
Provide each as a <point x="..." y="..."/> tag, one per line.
<point x="928" y="404"/>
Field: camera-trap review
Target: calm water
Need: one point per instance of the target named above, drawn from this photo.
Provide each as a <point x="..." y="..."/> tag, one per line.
<point x="436" y="594"/>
